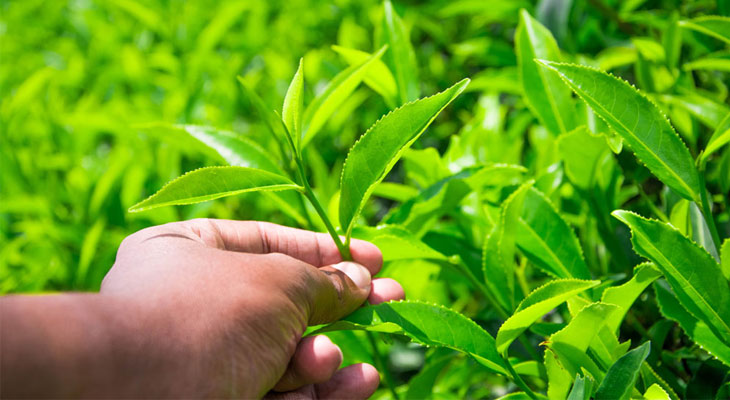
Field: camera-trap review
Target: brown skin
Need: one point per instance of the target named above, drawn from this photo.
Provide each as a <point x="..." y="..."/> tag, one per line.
<point x="202" y="308"/>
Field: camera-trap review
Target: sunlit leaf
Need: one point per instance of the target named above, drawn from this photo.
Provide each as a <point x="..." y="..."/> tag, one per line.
<point x="291" y="112"/>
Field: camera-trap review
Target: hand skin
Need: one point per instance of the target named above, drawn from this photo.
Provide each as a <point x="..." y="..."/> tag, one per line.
<point x="202" y="308"/>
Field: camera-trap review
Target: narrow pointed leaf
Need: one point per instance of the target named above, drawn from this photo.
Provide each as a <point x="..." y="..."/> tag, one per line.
<point x="621" y="377"/>
<point x="581" y="389"/>
<point x="543" y="91"/>
<point x="374" y="155"/>
<point x="212" y="183"/>
<point x="639" y="121"/>
<point x="336" y="92"/>
<point x="725" y="258"/>
<point x="697" y="330"/>
<point x="401" y="59"/>
<point x="719" y="138"/>
<point x="426" y="324"/>
<point x="547" y="240"/>
<point x="538" y="303"/>
<point x="693" y="274"/>
<point x="378" y="76"/>
<point x="291" y="112"/>
<point x="655" y="392"/>
<point x="396" y="243"/>
<point x="271" y="119"/>
<point x="712" y="25"/>
<point x="624" y="295"/>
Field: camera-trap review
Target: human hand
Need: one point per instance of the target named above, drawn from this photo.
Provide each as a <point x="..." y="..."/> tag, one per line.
<point x="236" y="297"/>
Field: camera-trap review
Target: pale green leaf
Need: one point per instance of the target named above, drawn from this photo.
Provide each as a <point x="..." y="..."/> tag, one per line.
<point x="693" y="274"/>
<point x="655" y="392"/>
<point x="291" y="112"/>
<point x="707" y="111"/>
<point x="547" y="240"/>
<point x="717" y="62"/>
<point x="633" y="116"/>
<point x="401" y="59"/>
<point x="697" y="330"/>
<point x="396" y="243"/>
<point x="725" y="258"/>
<point x="712" y="25"/>
<point x="426" y="324"/>
<point x="719" y="138"/>
<point x="538" y="303"/>
<point x="375" y="153"/>
<point x="212" y="183"/>
<point x="620" y="378"/>
<point x="547" y="97"/>
<point x="378" y="76"/>
<point x="624" y="295"/>
<point x="581" y="152"/>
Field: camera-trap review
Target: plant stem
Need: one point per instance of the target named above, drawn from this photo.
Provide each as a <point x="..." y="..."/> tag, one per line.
<point x="381" y="366"/>
<point x="518" y="380"/>
<point x="706" y="210"/>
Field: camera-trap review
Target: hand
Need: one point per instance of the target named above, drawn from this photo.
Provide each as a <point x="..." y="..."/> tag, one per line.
<point x="243" y="292"/>
<point x="202" y="308"/>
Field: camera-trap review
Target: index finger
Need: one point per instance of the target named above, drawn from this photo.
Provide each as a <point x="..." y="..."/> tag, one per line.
<point x="318" y="249"/>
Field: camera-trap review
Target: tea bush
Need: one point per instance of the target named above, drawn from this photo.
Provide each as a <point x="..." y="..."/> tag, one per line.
<point x="549" y="181"/>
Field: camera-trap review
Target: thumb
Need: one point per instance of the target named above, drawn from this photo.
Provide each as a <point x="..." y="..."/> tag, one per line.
<point x="340" y="290"/>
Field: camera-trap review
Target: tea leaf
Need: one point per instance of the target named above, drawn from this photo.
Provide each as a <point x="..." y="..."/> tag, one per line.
<point x="719" y="138"/>
<point x="212" y="183"/>
<point x="547" y="240"/>
<point x="375" y="153"/>
<point x="547" y="97"/>
<point x="712" y="25"/>
<point x="426" y="324"/>
<point x="291" y="112"/>
<point x="725" y="258"/>
<point x="271" y="119"/>
<point x="693" y="274"/>
<point x="378" y="76"/>
<point x="624" y="295"/>
<point x="336" y="92"/>
<point x="538" y="303"/>
<point x="581" y="152"/>
<point x="620" y="378"/>
<point x="697" y="330"/>
<point x="655" y="392"/>
<point x="401" y="59"/>
<point x="638" y="121"/>
<point x="396" y="243"/>
<point x="581" y="389"/>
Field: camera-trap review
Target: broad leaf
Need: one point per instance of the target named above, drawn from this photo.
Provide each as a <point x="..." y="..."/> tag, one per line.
<point x="401" y="59"/>
<point x="719" y="138"/>
<point x="426" y="324"/>
<point x="271" y="119"/>
<point x="697" y="330"/>
<point x="638" y="121"/>
<point x="498" y="254"/>
<point x="291" y="112"/>
<point x="546" y="95"/>
<point x="620" y="378"/>
<point x="336" y="92"/>
<point x="378" y="76"/>
<point x="212" y="183"/>
<point x="375" y="153"/>
<point x="712" y="25"/>
<point x="655" y="392"/>
<point x="624" y="295"/>
<point x="538" y="303"/>
<point x="396" y="243"/>
<point x="693" y="274"/>
<point x="548" y="241"/>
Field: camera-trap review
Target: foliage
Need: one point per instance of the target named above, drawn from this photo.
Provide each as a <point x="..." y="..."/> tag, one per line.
<point x="525" y="210"/>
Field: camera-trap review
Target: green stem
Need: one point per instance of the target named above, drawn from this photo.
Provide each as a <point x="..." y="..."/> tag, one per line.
<point x="518" y="380"/>
<point x="380" y="365"/>
<point x="706" y="210"/>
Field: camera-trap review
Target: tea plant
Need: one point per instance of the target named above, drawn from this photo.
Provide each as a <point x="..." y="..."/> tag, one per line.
<point x="559" y="232"/>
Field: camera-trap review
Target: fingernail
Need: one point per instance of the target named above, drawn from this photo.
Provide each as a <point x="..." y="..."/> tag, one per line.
<point x="356" y="272"/>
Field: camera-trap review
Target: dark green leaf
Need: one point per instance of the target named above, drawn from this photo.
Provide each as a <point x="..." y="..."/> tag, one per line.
<point x="620" y="378"/>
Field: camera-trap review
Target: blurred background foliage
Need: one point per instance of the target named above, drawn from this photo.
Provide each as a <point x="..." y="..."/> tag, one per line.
<point x="83" y="84"/>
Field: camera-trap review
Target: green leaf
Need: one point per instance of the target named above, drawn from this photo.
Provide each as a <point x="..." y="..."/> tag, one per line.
<point x="538" y="303"/>
<point x="498" y="254"/>
<point x="291" y="112"/>
<point x="581" y="389"/>
<point x="725" y="258"/>
<point x="271" y="119"/>
<point x="712" y="25"/>
<point x="620" y="378"/>
<point x="547" y="97"/>
<point x="373" y="156"/>
<point x="212" y="183"/>
<point x="235" y="149"/>
<point x="547" y="240"/>
<point x="638" y="121"/>
<point x="396" y="243"/>
<point x="336" y="92"/>
<point x="421" y="385"/>
<point x="655" y="392"/>
<point x="624" y="295"/>
<point x="697" y="330"/>
<point x="401" y="59"/>
<point x="719" y="138"/>
<point x="581" y="152"/>
<point x="426" y="324"/>
<point x="692" y="272"/>
<point x="378" y="76"/>
<point x="713" y="62"/>
<point x="707" y="111"/>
